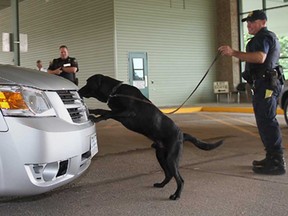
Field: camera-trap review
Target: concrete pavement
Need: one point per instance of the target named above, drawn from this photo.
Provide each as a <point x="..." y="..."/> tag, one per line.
<point x="217" y="183"/>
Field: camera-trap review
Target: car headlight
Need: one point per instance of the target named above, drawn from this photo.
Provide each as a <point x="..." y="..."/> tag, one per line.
<point x="24" y="101"/>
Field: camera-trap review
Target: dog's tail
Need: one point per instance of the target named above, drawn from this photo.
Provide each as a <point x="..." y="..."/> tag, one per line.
<point x="201" y="144"/>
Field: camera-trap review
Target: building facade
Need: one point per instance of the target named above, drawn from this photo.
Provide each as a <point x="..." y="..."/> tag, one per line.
<point x="161" y="46"/>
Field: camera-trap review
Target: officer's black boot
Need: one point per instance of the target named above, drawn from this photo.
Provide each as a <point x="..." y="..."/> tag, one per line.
<point x="264" y="161"/>
<point x="260" y="162"/>
<point x="274" y="164"/>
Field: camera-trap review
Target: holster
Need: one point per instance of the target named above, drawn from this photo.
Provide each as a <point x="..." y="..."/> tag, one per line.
<point x="247" y="76"/>
<point x="271" y="77"/>
<point x="280" y="74"/>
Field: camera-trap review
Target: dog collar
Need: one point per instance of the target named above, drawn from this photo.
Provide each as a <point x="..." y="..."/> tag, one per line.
<point x="113" y="91"/>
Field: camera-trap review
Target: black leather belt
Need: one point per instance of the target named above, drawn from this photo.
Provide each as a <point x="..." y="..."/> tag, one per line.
<point x="258" y="75"/>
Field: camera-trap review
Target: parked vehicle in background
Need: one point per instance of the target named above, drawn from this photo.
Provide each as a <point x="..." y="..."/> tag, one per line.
<point x="283" y="100"/>
<point x="46" y="138"/>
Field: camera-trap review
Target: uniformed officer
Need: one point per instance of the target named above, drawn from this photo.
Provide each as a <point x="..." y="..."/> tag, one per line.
<point x="261" y="57"/>
<point x="64" y="66"/>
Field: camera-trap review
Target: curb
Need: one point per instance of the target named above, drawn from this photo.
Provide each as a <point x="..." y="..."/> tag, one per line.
<point x="214" y="109"/>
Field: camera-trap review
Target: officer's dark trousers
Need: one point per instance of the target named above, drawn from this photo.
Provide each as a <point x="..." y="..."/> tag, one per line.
<point x="265" y="113"/>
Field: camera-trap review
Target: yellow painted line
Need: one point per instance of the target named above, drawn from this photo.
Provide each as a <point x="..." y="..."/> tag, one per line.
<point x="280" y="111"/>
<point x="239" y="128"/>
<point x="182" y="110"/>
<point x="241" y="121"/>
<point x="234" y="109"/>
<point x="230" y="125"/>
<point x="228" y="109"/>
<point x="214" y="109"/>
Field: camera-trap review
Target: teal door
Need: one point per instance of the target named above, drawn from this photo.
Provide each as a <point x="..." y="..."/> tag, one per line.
<point x="138" y="73"/>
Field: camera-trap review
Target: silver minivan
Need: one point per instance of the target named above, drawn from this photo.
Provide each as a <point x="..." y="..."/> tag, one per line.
<point x="46" y="138"/>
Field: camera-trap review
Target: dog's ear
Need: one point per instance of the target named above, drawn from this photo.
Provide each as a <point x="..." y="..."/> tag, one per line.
<point x="99" y="80"/>
<point x="95" y="81"/>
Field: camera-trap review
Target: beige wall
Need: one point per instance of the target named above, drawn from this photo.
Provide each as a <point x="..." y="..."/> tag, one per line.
<point x="180" y="41"/>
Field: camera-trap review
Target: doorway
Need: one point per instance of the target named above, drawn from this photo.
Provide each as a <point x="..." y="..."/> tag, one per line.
<point x="138" y="71"/>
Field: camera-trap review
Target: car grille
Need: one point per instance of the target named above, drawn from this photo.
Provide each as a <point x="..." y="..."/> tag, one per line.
<point x="74" y="105"/>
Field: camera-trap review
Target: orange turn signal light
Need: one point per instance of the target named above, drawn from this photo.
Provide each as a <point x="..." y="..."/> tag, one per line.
<point x="12" y="100"/>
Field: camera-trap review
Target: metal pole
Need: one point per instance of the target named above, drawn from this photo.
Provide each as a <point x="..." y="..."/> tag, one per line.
<point x="264" y="5"/>
<point x="15" y="27"/>
<point x="241" y="33"/>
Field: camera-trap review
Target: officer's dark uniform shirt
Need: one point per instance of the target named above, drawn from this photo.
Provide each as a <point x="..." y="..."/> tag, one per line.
<point x="267" y="42"/>
<point x="69" y="62"/>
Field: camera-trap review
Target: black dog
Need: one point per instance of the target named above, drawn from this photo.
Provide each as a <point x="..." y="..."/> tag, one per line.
<point x="130" y="107"/>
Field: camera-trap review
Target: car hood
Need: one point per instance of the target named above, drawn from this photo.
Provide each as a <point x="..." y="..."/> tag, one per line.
<point x="10" y="75"/>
